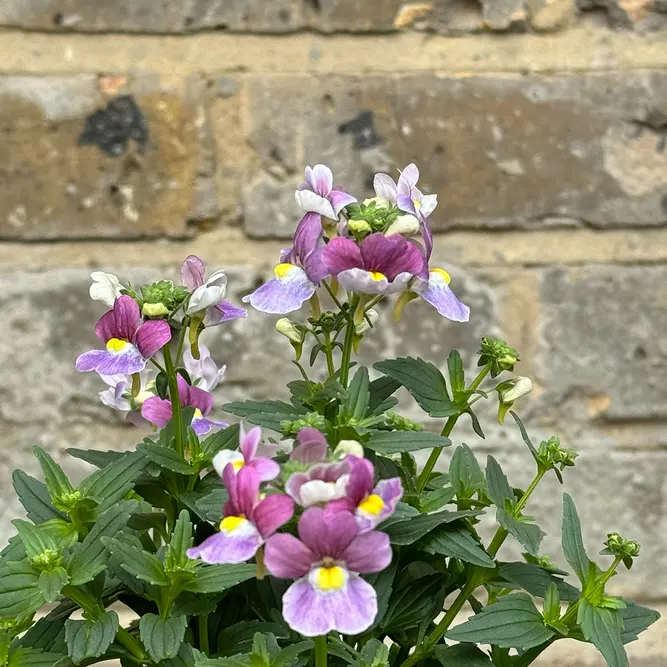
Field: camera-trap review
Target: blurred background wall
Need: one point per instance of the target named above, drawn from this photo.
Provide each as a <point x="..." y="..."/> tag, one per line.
<point x="134" y="132"/>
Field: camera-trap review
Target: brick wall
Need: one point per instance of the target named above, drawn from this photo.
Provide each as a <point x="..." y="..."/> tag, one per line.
<point x="133" y="132"/>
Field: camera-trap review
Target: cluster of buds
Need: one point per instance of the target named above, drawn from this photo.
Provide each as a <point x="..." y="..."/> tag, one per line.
<point x="553" y="455"/>
<point x="498" y="354"/>
<point x="624" y="549"/>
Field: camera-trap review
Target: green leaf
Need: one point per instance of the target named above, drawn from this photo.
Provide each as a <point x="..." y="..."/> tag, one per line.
<point x="636" y="619"/>
<point x="232" y="661"/>
<point x="35" y="540"/>
<point x="20" y="594"/>
<point x="227" y="438"/>
<point x="456" y="373"/>
<point x="434" y="500"/>
<point x="412" y="529"/>
<point x="529" y="535"/>
<point x="56" y="480"/>
<point x="465" y="475"/>
<point x="380" y="390"/>
<point x="52" y="581"/>
<point x="32" y="657"/>
<point x="572" y="540"/>
<point x="162" y="637"/>
<point x="95" y="457"/>
<point x="497" y="487"/>
<point x="512" y="622"/>
<point x="393" y="442"/>
<point x="111" y="483"/>
<point x="89" y="558"/>
<point x="524" y="435"/>
<point x="184" y="658"/>
<point x="456" y="542"/>
<point x="34" y="497"/>
<point x="358" y="395"/>
<point x="288" y="654"/>
<point x="462" y="655"/>
<point x="165" y="457"/>
<point x="216" y="578"/>
<point x="411" y="604"/>
<point x="90" y="638"/>
<point x="139" y="563"/>
<point x="61" y="533"/>
<point x="603" y="627"/>
<point x="425" y="383"/>
<point x="268" y="414"/>
<point x="181" y="541"/>
<point x="536" y="580"/>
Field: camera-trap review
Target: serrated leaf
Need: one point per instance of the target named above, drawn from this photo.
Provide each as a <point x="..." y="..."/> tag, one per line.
<point x="603" y="627"/>
<point x="96" y="458"/>
<point x="34" y="496"/>
<point x="497" y="487"/>
<point x="380" y="390"/>
<point x="47" y="634"/>
<point x="139" y="563"/>
<point x="465" y="475"/>
<point x="20" y="594"/>
<point x="456" y="542"/>
<point x="162" y="637"/>
<point x="412" y="529"/>
<point x="181" y="541"/>
<point x="512" y="622"/>
<point x="536" y="580"/>
<point x="425" y="383"/>
<point x="573" y="541"/>
<point x="456" y="373"/>
<point x="237" y="660"/>
<point x="32" y="657"/>
<point x="184" y="658"/>
<point x="216" y="578"/>
<point x="56" y="480"/>
<point x="358" y="395"/>
<point x="89" y="558"/>
<point x="268" y="414"/>
<point x="226" y="438"/>
<point x="51" y="582"/>
<point x="165" y="457"/>
<point x="111" y="483"/>
<point x="462" y="655"/>
<point x="524" y="435"/>
<point x="529" y="535"/>
<point x="35" y="540"/>
<point x="434" y="500"/>
<point x="636" y="619"/>
<point x="409" y="605"/>
<point x="393" y="442"/>
<point x="90" y="638"/>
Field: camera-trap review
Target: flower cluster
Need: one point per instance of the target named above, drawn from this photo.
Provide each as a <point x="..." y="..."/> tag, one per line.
<point x="340" y="508"/>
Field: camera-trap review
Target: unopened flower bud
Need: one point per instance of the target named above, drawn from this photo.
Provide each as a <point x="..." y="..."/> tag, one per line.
<point x="553" y="454"/>
<point x="47" y="560"/>
<point x="348" y="447"/>
<point x="358" y="227"/>
<point x="379" y="202"/>
<point x="407" y="225"/>
<point x="400" y="423"/>
<point x="287" y="328"/>
<point x="154" y="310"/>
<point x="498" y="354"/>
<point x="618" y="546"/>
<point x="520" y="387"/>
<point x="369" y="321"/>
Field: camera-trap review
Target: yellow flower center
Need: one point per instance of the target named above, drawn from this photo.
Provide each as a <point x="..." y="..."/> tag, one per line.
<point x="330" y="578"/>
<point x="443" y="274"/>
<point x="237" y="465"/>
<point x="197" y="414"/>
<point x="116" y="345"/>
<point x="282" y="270"/>
<point x="417" y="204"/>
<point x="231" y="523"/>
<point x="377" y="276"/>
<point x="372" y="504"/>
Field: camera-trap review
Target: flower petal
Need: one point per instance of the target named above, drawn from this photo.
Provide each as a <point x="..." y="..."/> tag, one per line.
<point x="243" y="489"/>
<point x="340" y="199"/>
<point x="157" y="411"/>
<point x="408" y="179"/>
<point x="283" y="295"/>
<point x="312" y="448"/>
<point x="223" y="312"/>
<point x="210" y="294"/>
<point x="360" y="482"/>
<point x="126" y="317"/>
<point x="287" y="556"/>
<point x="316" y="492"/>
<point x="391" y="255"/>
<point x="109" y="363"/>
<point x="224" y="457"/>
<point x="327" y="534"/>
<point x="440" y="296"/>
<point x="308" y="235"/>
<point x="105" y="327"/>
<point x="105" y="288"/>
<point x="200" y="399"/>
<point x="365" y="282"/>
<point x="312" y="202"/>
<point x="267" y="469"/>
<point x="341" y="254"/>
<point x="249" y="442"/>
<point x="229" y="546"/>
<point x="428" y="204"/>
<point x="272" y="513"/>
<point x="322" y="179"/>
<point x="385" y="187"/>
<point x="368" y="552"/>
<point x="193" y="271"/>
<point x="151" y="336"/>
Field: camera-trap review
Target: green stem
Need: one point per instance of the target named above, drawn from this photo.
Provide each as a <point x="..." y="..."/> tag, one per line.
<point x="202" y="621"/>
<point x="480" y="376"/>
<point x="347" y="354"/>
<point x="175" y="400"/>
<point x="532" y="654"/>
<point x="126" y="640"/>
<point x="321" y="651"/>
<point x="334" y="298"/>
<point x="529" y="492"/>
<point x="424" y="475"/>
<point x="331" y="369"/>
<point x="181" y="340"/>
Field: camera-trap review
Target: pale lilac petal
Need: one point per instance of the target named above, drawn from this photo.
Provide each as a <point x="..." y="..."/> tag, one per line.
<point x="365" y="282"/>
<point x="267" y="469"/>
<point x="440" y="296"/>
<point x="360" y="482"/>
<point x="157" y="411"/>
<point x="226" y="456"/>
<point x="327" y="535"/>
<point x="391" y="491"/>
<point x="105" y="327"/>
<point x="342" y="254"/>
<point x="203" y="371"/>
<point x="249" y="442"/>
<point x="311" y="202"/>
<point x="110" y="363"/>
<point x="223" y="312"/>
<point x="408" y="179"/>
<point x="151" y="336"/>
<point x="287" y="557"/>
<point x="283" y="295"/>
<point x="428" y="204"/>
<point x="235" y="546"/>
<point x="294" y="484"/>
<point x="203" y="426"/>
<point x="126" y="316"/>
<point x="406" y="204"/>
<point x="315" y="267"/>
<point x="272" y="513"/>
<point x="313" y="446"/>
<point x="322" y="179"/>
<point x="307" y="237"/>
<point x="427" y="235"/>
<point x="193" y="271"/>
<point x="369" y="552"/>
<point x="385" y="187"/>
<point x="309" y="182"/>
<point x="340" y="199"/>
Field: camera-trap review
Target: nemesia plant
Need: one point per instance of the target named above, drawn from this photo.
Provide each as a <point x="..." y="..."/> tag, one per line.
<point x="305" y="533"/>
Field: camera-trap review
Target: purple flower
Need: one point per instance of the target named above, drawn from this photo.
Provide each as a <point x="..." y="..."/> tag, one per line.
<point x="208" y="295"/>
<point x="312" y="448"/>
<point x="266" y="468"/>
<point x="298" y="274"/>
<point x="437" y="292"/>
<point x="370" y="505"/>
<point x="328" y="593"/>
<point x="248" y="521"/>
<point x="405" y="193"/>
<point x="158" y="411"/>
<point x="129" y="342"/>
<point x="118" y="395"/>
<point x="378" y="265"/>
<point x="204" y="371"/>
<point x="317" y="194"/>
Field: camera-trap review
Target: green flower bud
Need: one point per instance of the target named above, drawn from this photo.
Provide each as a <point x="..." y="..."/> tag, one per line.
<point x="553" y="454"/>
<point x="515" y="389"/>
<point x="290" y="330"/>
<point x="400" y="423"/>
<point x="69" y="498"/>
<point x="312" y="419"/>
<point x="359" y="227"/>
<point x="618" y="546"/>
<point x="48" y="560"/>
<point x="154" y="310"/>
<point x="498" y="354"/>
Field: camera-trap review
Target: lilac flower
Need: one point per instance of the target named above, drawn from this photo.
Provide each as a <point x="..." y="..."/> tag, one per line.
<point x="370" y="505"/>
<point x="298" y="274"/>
<point x="379" y="265"/>
<point x="247" y="456"/>
<point x="437" y="292"/>
<point x="158" y="411"/>
<point x="204" y="371"/>
<point x="105" y="288"/>
<point x="317" y="194"/>
<point x="208" y="295"/>
<point x="129" y="342"/>
<point x="248" y="521"/>
<point x="405" y="193"/>
<point x="118" y="395"/>
<point x="312" y="448"/>
<point x="326" y="561"/>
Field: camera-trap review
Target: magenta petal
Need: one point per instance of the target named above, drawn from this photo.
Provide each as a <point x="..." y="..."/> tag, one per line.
<point x="126" y="316"/>
<point x="390" y="255"/>
<point x="236" y="546"/>
<point x="315" y="267"/>
<point x="369" y="552"/>
<point x="308" y="235"/>
<point x="105" y="328"/>
<point x="249" y="442"/>
<point x="313" y="446"/>
<point x="200" y="399"/>
<point x="152" y="336"/>
<point x="339" y="200"/>
<point x="247" y="490"/>
<point x="341" y="254"/>
<point x="272" y="513"/>
<point x="193" y="272"/>
<point x="361" y="480"/>
<point x="322" y="179"/>
<point x="267" y="468"/>
<point x="109" y="363"/>
<point x="327" y="535"/>
<point x="287" y="557"/>
<point x="157" y="411"/>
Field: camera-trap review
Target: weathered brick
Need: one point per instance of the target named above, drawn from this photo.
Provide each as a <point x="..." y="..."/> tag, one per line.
<point x="504" y="14"/>
<point x="54" y="186"/>
<point x="551" y="14"/>
<point x="641" y="14"/>
<point x="500" y="151"/>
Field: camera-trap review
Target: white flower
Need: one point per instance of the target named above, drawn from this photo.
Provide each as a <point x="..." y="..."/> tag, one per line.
<point x="522" y="386"/>
<point x="407" y="225"/>
<point x="105" y="288"/>
<point x="287" y="328"/>
<point x="371" y="316"/>
<point x="226" y="456"/>
<point x="317" y="491"/>
<point x="348" y="447"/>
<point x="211" y="293"/>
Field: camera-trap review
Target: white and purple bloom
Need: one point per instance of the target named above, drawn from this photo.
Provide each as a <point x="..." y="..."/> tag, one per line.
<point x="247" y="456"/>
<point x="378" y="265"/>
<point x="326" y="562"/>
<point x="208" y="294"/>
<point x="405" y="194"/>
<point x="370" y="505"/>
<point x="119" y="394"/>
<point x="248" y="521"/>
<point x="130" y="343"/>
<point x="298" y="274"/>
<point x="318" y="194"/>
<point x="158" y="411"/>
<point x="204" y="371"/>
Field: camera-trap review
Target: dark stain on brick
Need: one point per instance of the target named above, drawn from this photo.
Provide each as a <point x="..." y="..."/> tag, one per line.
<point x="315" y="5"/>
<point x="362" y="128"/>
<point x="112" y="128"/>
<point x="663" y="203"/>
